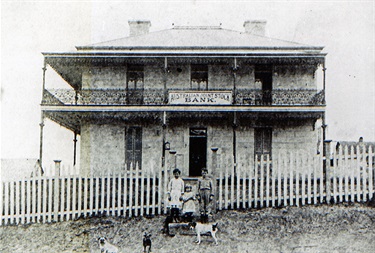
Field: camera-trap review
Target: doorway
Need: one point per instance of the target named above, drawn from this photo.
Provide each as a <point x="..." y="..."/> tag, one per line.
<point x="197" y="151"/>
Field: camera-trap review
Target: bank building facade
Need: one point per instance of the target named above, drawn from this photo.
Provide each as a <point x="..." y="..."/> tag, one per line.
<point x="185" y="96"/>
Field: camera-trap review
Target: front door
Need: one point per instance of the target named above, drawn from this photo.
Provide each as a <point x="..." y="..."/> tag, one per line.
<point x="197" y="151"/>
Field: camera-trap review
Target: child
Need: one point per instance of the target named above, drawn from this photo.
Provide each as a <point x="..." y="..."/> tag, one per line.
<point x="205" y="194"/>
<point x="175" y="193"/>
<point x="189" y="205"/>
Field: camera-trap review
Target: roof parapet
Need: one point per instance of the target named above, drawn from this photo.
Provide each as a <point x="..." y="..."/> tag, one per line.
<point x="255" y="27"/>
<point x="139" y="27"/>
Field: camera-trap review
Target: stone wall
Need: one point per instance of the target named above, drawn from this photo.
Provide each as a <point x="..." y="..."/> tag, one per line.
<point x="102" y="147"/>
<point x="219" y="77"/>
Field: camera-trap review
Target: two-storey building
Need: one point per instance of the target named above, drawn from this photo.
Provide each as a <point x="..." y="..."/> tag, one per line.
<point x="179" y="95"/>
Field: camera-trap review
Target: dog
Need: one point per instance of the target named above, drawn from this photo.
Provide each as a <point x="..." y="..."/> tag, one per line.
<point x="147" y="242"/>
<point x="106" y="247"/>
<point x="201" y="228"/>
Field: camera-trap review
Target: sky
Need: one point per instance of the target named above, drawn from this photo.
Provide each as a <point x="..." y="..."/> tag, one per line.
<point x="28" y="28"/>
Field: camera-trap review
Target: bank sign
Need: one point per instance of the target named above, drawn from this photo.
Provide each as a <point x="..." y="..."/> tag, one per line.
<point x="200" y="98"/>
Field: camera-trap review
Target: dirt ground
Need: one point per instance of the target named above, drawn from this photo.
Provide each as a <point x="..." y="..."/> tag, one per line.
<point x="326" y="228"/>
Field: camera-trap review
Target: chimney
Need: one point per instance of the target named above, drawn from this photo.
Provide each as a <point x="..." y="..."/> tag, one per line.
<point x="139" y="27"/>
<point x="255" y="27"/>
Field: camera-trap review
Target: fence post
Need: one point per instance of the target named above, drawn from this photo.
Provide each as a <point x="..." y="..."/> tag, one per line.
<point x="214" y="173"/>
<point x="370" y="173"/>
<point x="1" y="201"/>
<point x="327" y="164"/>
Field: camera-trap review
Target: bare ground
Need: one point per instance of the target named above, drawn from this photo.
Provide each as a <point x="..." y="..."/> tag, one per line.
<point x="326" y="228"/>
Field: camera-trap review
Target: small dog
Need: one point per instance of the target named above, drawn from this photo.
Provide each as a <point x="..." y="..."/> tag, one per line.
<point x="147" y="242"/>
<point x="202" y="229"/>
<point x="106" y="247"/>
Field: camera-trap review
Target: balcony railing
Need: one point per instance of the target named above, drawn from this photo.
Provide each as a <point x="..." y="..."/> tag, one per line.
<point x="157" y="97"/>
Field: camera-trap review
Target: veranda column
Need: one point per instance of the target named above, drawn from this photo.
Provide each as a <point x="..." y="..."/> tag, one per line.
<point x="42" y="118"/>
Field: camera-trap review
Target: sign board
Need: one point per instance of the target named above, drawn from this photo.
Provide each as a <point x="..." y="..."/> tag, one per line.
<point x="200" y="97"/>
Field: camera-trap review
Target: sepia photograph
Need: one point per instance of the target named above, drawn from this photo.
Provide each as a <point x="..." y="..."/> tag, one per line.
<point x="187" y="126"/>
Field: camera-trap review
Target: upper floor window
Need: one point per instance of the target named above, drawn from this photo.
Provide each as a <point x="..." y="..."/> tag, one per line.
<point x="133" y="144"/>
<point x="199" y="76"/>
<point x="263" y="141"/>
<point x="135" y="77"/>
<point x="263" y="75"/>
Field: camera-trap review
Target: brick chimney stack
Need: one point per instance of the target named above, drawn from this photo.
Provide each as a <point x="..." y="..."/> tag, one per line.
<point x="139" y="27"/>
<point x="255" y="27"/>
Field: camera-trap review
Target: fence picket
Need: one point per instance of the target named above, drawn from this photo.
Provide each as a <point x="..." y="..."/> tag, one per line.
<point x="278" y="179"/>
<point x="238" y="176"/>
<point x="303" y="178"/>
<point x="165" y="182"/>
<point x="244" y="176"/>
<point x="131" y="191"/>
<point x="364" y="174"/>
<point x="256" y="170"/>
<point x="346" y="176"/>
<point x="221" y="190"/>
<point x="352" y="173"/>
<point x="161" y="195"/>
<point x="74" y="197"/>
<point x="267" y="180"/>
<point x="358" y="170"/>
<point x="291" y="178"/>
<point x="273" y="182"/>
<point x="136" y="202"/>
<point x="62" y="201"/>
<point x="226" y="187"/>
<point x="153" y="192"/>
<point x="125" y="194"/>
<point x="148" y="174"/>
<point x="28" y="200"/>
<point x="1" y="202"/>
<point x="44" y="200"/>
<point x="68" y="197"/>
<point x="79" y="203"/>
<point x="370" y="173"/>
<point x="297" y="168"/>
<point x="142" y="193"/>
<point x="285" y="180"/>
<point x="23" y="201"/>
<point x="18" y="210"/>
<point x="334" y="176"/>
<point x="52" y="198"/>
<point x="261" y="181"/>
<point x="113" y="193"/>
<point x="232" y="177"/>
<point x="91" y="197"/>
<point x="119" y="191"/>
<point x="85" y="195"/>
<point x="108" y="193"/>
<point x="102" y="190"/>
<point x="6" y="204"/>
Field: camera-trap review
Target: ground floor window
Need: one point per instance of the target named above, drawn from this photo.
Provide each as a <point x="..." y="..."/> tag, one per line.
<point x="263" y="141"/>
<point x="133" y="142"/>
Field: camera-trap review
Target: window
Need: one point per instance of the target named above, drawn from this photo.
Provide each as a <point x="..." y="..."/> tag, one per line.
<point x="199" y="76"/>
<point x="135" y="77"/>
<point x="133" y="147"/>
<point x="263" y="141"/>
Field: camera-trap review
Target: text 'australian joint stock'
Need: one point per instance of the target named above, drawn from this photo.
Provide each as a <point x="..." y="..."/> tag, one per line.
<point x="200" y="97"/>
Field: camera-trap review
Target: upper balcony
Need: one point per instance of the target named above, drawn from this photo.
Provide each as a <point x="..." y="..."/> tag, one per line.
<point x="155" y="97"/>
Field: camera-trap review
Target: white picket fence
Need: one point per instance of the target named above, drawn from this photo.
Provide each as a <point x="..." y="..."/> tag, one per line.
<point x="286" y="179"/>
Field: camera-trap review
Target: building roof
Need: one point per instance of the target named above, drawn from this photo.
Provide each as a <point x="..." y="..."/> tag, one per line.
<point x="197" y="37"/>
<point x="182" y="43"/>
